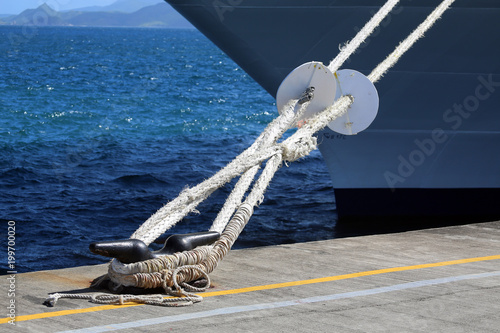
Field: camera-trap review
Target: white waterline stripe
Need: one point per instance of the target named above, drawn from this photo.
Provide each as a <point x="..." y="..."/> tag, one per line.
<point x="274" y="305"/>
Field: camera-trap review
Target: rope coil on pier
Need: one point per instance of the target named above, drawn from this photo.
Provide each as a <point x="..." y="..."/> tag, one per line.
<point x="174" y="272"/>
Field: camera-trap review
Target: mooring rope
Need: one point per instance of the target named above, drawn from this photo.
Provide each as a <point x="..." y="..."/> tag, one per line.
<point x="406" y="44"/>
<point x="164" y="218"/>
<point x="174" y="271"/>
<point x="275" y="132"/>
<point x="350" y="47"/>
<point x="157" y="299"/>
<point x="190" y="197"/>
<point x="302" y="142"/>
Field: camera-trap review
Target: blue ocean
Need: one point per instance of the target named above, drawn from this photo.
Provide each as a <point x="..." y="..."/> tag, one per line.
<point x="100" y="127"/>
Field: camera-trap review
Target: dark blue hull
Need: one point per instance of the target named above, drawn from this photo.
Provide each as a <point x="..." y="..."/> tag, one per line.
<point x="438" y="127"/>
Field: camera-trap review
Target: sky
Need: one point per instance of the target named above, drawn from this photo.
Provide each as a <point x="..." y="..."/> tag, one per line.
<point x="17" y="6"/>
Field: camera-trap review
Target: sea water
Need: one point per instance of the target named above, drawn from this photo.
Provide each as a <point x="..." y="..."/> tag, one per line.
<point x="100" y="127"/>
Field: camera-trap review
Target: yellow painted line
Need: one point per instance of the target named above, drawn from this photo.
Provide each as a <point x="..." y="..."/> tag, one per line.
<point x="67" y="312"/>
<point x="348" y="276"/>
<point x="264" y="287"/>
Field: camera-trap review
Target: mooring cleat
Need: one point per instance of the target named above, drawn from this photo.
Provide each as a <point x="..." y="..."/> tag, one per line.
<point x="134" y="250"/>
<point x="126" y="251"/>
<point x="187" y="242"/>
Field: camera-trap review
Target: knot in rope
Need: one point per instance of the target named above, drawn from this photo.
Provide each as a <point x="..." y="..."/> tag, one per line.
<point x="293" y="150"/>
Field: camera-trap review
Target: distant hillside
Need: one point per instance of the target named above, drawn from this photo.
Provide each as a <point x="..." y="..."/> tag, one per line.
<point x="124" y="6"/>
<point x="159" y="15"/>
<point x="43" y="15"/>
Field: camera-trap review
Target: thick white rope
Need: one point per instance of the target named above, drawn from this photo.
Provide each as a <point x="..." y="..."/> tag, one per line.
<point x="158" y="223"/>
<point x="186" y="299"/>
<point x="234" y="200"/>
<point x="157" y="299"/>
<point x="350" y="47"/>
<point x="240" y="189"/>
<point x="303" y="141"/>
<point x="405" y="45"/>
<point x="298" y="145"/>
<point x="155" y="225"/>
<point x="287" y="119"/>
<point x="147" y="274"/>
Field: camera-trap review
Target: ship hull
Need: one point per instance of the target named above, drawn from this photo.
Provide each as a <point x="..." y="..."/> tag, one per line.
<point x="434" y="148"/>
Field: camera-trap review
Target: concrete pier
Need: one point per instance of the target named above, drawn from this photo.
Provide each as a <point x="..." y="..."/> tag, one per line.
<point x="433" y="280"/>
